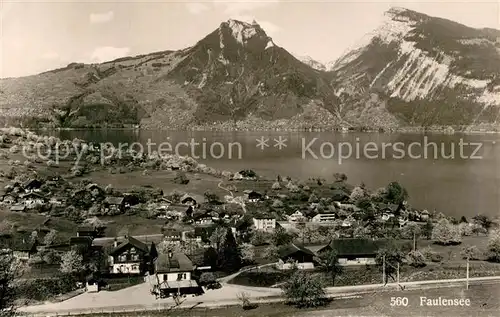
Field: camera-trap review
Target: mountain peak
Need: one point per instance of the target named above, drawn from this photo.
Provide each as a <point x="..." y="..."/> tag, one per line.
<point x="243" y="32"/>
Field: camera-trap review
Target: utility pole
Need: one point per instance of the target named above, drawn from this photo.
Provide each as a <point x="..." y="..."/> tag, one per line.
<point x="467" y="284"/>
<point x="398" y="273"/>
<point x="383" y="270"/>
<point x="414" y="241"/>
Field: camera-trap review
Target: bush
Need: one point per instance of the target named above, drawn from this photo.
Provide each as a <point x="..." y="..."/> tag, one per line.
<point x="44" y="289"/>
<point x="207" y="278"/>
<point x="181" y="178"/>
<point x="303" y="290"/>
<point x="416" y="259"/>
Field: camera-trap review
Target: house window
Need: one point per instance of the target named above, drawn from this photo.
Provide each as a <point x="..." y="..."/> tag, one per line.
<point x="184" y="275"/>
<point x="122" y="258"/>
<point x="179" y="277"/>
<point x="135" y="268"/>
<point x="135" y="257"/>
<point x="132" y="250"/>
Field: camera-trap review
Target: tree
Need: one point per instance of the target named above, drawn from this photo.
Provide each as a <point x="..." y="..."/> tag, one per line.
<point x="304" y="290"/>
<point x="416" y="258"/>
<point x="281" y="237"/>
<point x="71" y="263"/>
<point x="181" y="178"/>
<point x="245" y="301"/>
<point x="411" y="230"/>
<point x="445" y="233"/>
<point x="330" y="264"/>
<point x="211" y="197"/>
<point x="391" y="255"/>
<point x="463" y="220"/>
<point x="11" y="269"/>
<point x="229" y="257"/>
<point x="357" y="194"/>
<point x="483" y="221"/>
<point x="427" y="229"/>
<point x="396" y="193"/>
<point x="271" y="253"/>
<point x="470" y="252"/>
<point x="247" y="252"/>
<point x="217" y="238"/>
<point x="210" y="257"/>
<point x="340" y="177"/>
<point x="260" y="237"/>
<point x="50" y="237"/>
<point x="493" y="248"/>
<point x="207" y="278"/>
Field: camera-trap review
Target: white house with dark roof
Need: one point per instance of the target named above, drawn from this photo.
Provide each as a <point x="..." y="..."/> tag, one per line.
<point x="173" y="273"/>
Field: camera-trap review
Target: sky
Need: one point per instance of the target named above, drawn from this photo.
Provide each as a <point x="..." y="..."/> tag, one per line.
<point x="36" y="36"/>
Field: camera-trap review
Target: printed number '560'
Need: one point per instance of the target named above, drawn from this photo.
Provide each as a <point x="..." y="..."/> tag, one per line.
<point x="399" y="301"/>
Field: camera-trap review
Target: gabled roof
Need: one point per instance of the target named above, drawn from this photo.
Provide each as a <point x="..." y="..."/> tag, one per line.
<point x="33" y="194"/>
<point x="130" y="241"/>
<point x="113" y="200"/>
<point x="178" y="262"/>
<point x="187" y="197"/>
<point x="346" y="247"/>
<point x="34" y="183"/>
<point x="289" y="250"/>
<point x="92" y="186"/>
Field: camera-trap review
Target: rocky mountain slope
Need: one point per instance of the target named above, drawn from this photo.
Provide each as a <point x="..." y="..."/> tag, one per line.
<point x="414" y="70"/>
<point x="425" y="70"/>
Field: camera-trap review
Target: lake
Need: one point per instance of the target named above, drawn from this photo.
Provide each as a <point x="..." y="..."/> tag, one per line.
<point x="454" y="174"/>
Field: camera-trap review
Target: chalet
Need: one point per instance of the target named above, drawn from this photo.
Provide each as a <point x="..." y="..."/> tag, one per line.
<point x="188" y="200"/>
<point x="355" y="251"/>
<point x="18" y="208"/>
<point x="252" y="196"/>
<point x="203" y="220"/>
<point x="95" y="190"/>
<point x="86" y="231"/>
<point x="325" y="218"/>
<point x="173" y="272"/>
<point x="130" y="257"/>
<point x="114" y="204"/>
<point x="130" y="199"/>
<point x="297" y="216"/>
<point x="22" y="248"/>
<point x="32" y="184"/>
<point x="33" y="199"/>
<point x="84" y="242"/>
<point x="302" y="257"/>
<point x="264" y="224"/>
<point x="57" y="201"/>
<point x="172" y="234"/>
<point x="203" y="233"/>
<point x="424" y="215"/>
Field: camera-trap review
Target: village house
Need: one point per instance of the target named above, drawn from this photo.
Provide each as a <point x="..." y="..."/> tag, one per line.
<point x="252" y="196"/>
<point x="21" y="247"/>
<point x="32" y="184"/>
<point x="86" y="231"/>
<point x="131" y="257"/>
<point x="294" y="255"/>
<point x="354" y="251"/>
<point x="173" y="272"/>
<point x="33" y="199"/>
<point x="130" y="199"/>
<point x="172" y="235"/>
<point x="297" y="216"/>
<point x="114" y="204"/>
<point x="424" y="215"/>
<point x="57" y="201"/>
<point x="188" y="200"/>
<point x="203" y="220"/>
<point x="95" y="190"/>
<point x="264" y="224"/>
<point x="324" y="218"/>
